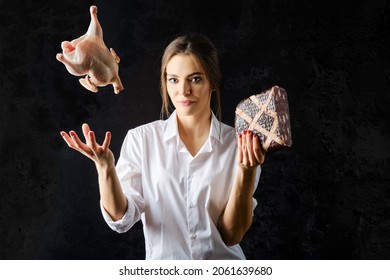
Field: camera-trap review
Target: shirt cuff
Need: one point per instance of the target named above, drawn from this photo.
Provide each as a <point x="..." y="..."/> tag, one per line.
<point x="125" y="223"/>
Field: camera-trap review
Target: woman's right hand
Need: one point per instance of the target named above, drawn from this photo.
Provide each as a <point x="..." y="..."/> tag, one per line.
<point x="100" y="154"/>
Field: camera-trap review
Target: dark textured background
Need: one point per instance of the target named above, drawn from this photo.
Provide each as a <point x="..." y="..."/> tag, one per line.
<point x="325" y="198"/>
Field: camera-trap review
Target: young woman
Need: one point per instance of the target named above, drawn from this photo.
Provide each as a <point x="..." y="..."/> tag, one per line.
<point x="189" y="178"/>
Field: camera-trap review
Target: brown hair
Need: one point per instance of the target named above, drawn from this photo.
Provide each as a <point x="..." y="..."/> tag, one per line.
<point x="205" y="52"/>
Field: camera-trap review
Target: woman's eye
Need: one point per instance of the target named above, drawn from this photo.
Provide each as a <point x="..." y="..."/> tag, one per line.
<point x="172" y="80"/>
<point x="196" y="79"/>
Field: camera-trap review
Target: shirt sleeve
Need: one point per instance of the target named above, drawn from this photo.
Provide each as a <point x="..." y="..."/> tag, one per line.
<point x="128" y="169"/>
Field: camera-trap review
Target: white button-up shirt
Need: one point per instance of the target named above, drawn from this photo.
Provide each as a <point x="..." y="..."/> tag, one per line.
<point x="178" y="197"/>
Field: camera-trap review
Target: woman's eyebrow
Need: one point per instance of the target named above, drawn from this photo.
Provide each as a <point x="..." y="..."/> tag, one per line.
<point x="190" y="75"/>
<point x="196" y="73"/>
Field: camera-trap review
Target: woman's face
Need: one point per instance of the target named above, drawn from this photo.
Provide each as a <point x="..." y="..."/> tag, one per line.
<point x="187" y="86"/>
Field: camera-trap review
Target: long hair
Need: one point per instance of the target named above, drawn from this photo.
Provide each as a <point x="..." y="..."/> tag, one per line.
<point x="205" y="52"/>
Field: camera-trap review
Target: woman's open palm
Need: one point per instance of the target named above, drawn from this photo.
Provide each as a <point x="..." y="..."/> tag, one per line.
<point x="100" y="154"/>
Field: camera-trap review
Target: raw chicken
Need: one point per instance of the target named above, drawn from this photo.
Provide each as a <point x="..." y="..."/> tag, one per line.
<point x="88" y="55"/>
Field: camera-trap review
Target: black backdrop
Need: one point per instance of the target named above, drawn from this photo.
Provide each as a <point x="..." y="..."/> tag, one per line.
<point x="325" y="198"/>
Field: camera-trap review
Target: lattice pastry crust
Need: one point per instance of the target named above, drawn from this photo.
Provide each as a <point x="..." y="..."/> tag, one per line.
<point x="266" y="114"/>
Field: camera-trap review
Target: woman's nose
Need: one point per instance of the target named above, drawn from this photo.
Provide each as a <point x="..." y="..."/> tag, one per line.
<point x="185" y="89"/>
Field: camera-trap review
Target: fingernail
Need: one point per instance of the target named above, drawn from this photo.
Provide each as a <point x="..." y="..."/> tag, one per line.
<point x="254" y="135"/>
<point x="72" y="133"/>
<point x="240" y="136"/>
<point x="62" y="133"/>
<point x="244" y="132"/>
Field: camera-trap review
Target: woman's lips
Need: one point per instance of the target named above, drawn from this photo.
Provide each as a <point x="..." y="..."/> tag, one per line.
<point x="185" y="102"/>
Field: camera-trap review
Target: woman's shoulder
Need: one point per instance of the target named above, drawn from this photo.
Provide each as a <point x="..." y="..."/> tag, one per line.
<point x="225" y="131"/>
<point x="226" y="128"/>
<point x="153" y="127"/>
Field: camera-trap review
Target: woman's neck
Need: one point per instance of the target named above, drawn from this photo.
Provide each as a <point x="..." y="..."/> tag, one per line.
<point x="193" y="131"/>
<point x="194" y="125"/>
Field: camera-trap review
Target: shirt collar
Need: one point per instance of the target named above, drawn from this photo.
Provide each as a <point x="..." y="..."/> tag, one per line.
<point x="216" y="126"/>
<point x="171" y="129"/>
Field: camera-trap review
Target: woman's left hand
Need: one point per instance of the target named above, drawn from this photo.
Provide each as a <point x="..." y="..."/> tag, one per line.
<point x="250" y="153"/>
<point x="236" y="219"/>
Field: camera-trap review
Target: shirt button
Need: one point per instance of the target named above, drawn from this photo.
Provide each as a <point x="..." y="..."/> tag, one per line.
<point x="193" y="236"/>
<point x="191" y="205"/>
